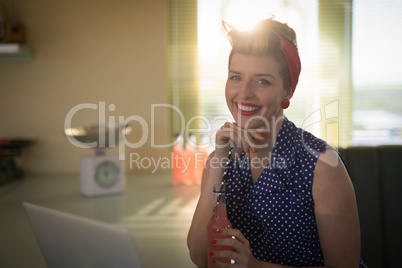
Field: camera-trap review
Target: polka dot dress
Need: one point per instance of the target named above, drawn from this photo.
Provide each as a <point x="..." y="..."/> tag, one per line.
<point x="276" y="214"/>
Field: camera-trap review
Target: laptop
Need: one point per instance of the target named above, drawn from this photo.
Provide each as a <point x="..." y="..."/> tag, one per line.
<point x="71" y="241"/>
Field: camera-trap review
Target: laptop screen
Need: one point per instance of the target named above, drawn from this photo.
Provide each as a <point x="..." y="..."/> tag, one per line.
<point x="67" y="240"/>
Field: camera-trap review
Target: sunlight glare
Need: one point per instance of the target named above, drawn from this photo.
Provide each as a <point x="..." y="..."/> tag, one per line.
<point x="245" y="16"/>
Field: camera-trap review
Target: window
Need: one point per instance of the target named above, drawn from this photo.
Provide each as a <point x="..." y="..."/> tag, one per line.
<point x="351" y="83"/>
<point x="377" y="72"/>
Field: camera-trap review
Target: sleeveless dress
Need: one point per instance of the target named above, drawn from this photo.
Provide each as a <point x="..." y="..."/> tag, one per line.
<point x="276" y="214"/>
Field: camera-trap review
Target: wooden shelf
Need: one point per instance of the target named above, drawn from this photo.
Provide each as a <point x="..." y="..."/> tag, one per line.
<point x="24" y="55"/>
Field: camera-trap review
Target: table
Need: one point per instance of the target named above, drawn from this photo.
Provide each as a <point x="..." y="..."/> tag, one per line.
<point x="157" y="214"/>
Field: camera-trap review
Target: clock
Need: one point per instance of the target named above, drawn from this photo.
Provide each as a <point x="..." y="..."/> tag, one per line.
<point x="107" y="174"/>
<point x="102" y="175"/>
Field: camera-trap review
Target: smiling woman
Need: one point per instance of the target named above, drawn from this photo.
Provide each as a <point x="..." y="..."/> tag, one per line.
<point x="281" y="181"/>
<point x="322" y="103"/>
<point x="245" y="81"/>
<point x="213" y="49"/>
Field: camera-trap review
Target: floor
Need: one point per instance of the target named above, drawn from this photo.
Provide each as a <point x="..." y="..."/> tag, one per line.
<point x="157" y="214"/>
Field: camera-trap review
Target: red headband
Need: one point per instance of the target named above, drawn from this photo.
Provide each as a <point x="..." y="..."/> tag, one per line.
<point x="293" y="61"/>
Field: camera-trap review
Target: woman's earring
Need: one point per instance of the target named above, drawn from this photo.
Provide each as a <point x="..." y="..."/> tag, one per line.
<point x="285" y="103"/>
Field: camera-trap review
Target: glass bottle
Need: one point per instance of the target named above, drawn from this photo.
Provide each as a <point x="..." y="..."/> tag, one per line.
<point x="219" y="221"/>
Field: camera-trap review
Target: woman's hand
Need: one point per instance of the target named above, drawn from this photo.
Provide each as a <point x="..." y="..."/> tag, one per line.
<point x="241" y="253"/>
<point x="230" y="134"/>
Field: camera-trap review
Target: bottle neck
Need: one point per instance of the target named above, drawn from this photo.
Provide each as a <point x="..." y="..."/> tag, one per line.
<point x="219" y="209"/>
<point x="219" y="198"/>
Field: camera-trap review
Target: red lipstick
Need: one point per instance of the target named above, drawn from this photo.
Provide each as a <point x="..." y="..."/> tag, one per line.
<point x="247" y="109"/>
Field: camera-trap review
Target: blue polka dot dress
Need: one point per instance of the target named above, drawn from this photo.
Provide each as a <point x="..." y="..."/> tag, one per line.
<point x="276" y="214"/>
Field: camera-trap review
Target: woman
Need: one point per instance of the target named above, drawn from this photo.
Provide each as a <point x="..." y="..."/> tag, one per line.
<point x="290" y="199"/>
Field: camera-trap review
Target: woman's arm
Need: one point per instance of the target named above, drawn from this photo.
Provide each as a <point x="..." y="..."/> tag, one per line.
<point x="229" y="135"/>
<point x="336" y="212"/>
<point x="197" y="235"/>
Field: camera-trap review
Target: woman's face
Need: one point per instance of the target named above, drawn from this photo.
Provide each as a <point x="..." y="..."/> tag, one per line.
<point x="254" y="90"/>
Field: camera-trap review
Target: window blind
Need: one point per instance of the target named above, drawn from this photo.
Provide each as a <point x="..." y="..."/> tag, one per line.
<point x="377" y="72"/>
<point x="329" y="90"/>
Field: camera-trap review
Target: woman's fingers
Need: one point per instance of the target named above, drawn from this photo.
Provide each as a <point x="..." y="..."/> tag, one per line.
<point x="228" y="136"/>
<point x="248" y="139"/>
<point x="240" y="253"/>
<point x="239" y="240"/>
<point x="243" y="136"/>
